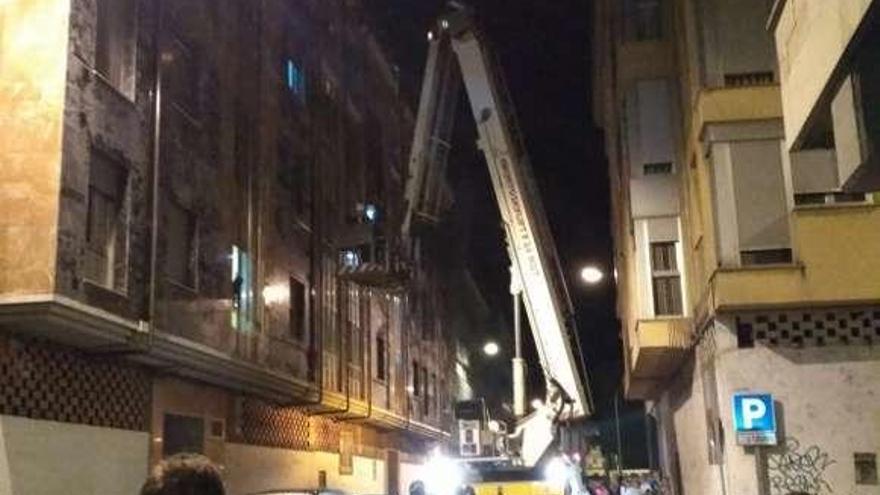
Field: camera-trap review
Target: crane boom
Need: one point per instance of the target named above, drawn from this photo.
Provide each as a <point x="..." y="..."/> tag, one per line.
<point x="534" y="263"/>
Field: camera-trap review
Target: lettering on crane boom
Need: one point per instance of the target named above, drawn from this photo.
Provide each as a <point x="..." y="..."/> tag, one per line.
<point x="521" y="233"/>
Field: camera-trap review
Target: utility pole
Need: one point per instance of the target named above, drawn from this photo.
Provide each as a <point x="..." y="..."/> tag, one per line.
<point x="518" y="363"/>
<point x="619" y="443"/>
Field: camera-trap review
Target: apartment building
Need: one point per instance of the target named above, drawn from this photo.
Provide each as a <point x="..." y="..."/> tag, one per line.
<point x="745" y="256"/>
<point x="199" y="212"/>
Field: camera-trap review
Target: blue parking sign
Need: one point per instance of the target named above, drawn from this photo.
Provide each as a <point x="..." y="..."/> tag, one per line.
<point x="754" y="419"/>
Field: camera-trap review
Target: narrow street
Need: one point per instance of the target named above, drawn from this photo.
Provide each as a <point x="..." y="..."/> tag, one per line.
<point x="385" y="247"/>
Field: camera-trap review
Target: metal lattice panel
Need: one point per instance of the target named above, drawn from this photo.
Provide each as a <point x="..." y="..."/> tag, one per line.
<point x="273" y="426"/>
<point x="42" y="381"/>
<point x="811" y="328"/>
<point x="325" y="434"/>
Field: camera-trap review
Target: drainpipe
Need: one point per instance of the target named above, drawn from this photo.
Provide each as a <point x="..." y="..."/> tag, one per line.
<point x="155" y="197"/>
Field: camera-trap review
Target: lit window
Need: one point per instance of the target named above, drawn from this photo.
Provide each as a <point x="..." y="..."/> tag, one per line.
<point x="242" y="290"/>
<point x="106" y="223"/>
<point x="115" y="43"/>
<point x="350" y="258"/>
<point x="666" y="280"/>
<point x="295" y="78"/>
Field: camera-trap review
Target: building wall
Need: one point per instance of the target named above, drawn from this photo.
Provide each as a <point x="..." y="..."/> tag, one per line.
<point x="32" y="94"/>
<point x="828" y="408"/>
<point x="56" y="405"/>
<point x="811" y="37"/>
<point x="45" y="457"/>
<point x="228" y="151"/>
<point x="802" y="328"/>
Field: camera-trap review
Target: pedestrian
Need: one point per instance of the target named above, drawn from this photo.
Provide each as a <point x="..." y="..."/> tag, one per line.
<point x="630" y="486"/>
<point x="184" y="474"/>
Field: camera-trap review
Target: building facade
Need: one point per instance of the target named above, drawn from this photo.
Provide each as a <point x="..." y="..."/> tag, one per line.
<point x="745" y="255"/>
<point x="199" y="250"/>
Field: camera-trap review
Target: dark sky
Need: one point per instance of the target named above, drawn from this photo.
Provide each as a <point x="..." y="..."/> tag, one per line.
<point x="544" y="49"/>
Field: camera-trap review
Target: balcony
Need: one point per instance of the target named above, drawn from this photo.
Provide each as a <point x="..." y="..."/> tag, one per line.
<point x="739" y="103"/>
<point x="656" y="350"/>
<point x="836" y="247"/>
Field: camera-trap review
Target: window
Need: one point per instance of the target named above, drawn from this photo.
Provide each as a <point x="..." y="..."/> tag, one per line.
<point x="293" y="174"/>
<point x="425" y="399"/>
<point x="106" y="224"/>
<point x="766" y="256"/>
<point x="661" y="168"/>
<point x="346" y="452"/>
<point x="666" y="279"/>
<point x="115" y="44"/>
<point x="298" y="303"/>
<point x="242" y="290"/>
<point x="381" y="367"/>
<point x="433" y="392"/>
<point x="760" y="78"/>
<point x="416" y="382"/>
<point x="181" y="78"/>
<point x="182" y="434"/>
<point x="866" y="468"/>
<point x="295" y="78"/>
<point x="762" y="233"/>
<point x="643" y="20"/>
<point x="180" y="238"/>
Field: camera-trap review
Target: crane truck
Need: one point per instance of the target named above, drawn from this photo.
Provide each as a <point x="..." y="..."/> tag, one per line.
<point x="458" y="53"/>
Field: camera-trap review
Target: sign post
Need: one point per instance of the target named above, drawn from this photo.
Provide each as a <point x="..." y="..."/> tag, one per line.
<point x="754" y="418"/>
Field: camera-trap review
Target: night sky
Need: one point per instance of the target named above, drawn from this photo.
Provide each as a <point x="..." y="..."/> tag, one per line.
<point x="544" y="49"/>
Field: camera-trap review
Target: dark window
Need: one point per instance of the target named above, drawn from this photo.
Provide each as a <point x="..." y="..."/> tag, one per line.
<point x="748" y="79"/>
<point x="180" y="238"/>
<point x="294" y="176"/>
<point x="666" y="279"/>
<point x="182" y="434"/>
<point x="381" y="371"/>
<point x="115" y="44"/>
<point x="660" y="168"/>
<point x="643" y="20"/>
<point x="866" y="468"/>
<point x="106" y="223"/>
<point x="181" y="77"/>
<point x="425" y="398"/>
<point x="745" y="335"/>
<point x="298" y="302"/>
<point x="766" y="256"/>
<point x="417" y="389"/>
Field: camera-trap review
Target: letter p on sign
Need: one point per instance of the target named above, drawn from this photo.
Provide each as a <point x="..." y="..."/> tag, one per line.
<point x="754" y="418"/>
<point x="753" y="409"/>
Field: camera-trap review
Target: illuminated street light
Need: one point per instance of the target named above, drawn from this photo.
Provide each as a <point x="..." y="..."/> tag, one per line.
<point x="592" y="275"/>
<point x="491" y="349"/>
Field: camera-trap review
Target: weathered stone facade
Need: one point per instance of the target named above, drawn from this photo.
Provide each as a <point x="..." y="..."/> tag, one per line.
<point x="216" y="165"/>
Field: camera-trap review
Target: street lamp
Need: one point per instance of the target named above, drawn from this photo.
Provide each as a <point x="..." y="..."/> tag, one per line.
<point x="491" y="349"/>
<point x="591" y="274"/>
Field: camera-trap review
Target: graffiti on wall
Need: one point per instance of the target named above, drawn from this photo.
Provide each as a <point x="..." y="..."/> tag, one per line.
<point x="798" y="469"/>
